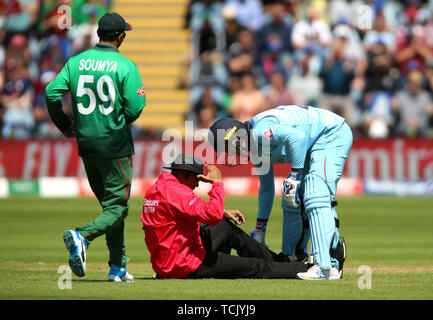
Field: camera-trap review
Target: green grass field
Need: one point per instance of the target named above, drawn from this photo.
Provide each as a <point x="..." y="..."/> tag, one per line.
<point x="392" y="236"/>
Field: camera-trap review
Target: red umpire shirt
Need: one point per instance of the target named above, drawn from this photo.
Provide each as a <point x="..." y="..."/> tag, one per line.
<point x="171" y="218"/>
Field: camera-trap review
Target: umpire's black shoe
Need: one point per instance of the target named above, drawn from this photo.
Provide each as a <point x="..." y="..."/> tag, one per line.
<point x="300" y="256"/>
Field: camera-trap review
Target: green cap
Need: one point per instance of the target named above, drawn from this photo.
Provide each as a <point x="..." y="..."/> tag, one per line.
<point x="112" y="22"/>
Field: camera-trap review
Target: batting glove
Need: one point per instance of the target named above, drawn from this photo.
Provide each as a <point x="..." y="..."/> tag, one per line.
<point x="291" y="189"/>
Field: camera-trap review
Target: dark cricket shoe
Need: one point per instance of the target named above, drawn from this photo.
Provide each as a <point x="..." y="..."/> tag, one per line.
<point x="300" y="256"/>
<point x="76" y="245"/>
<point x="340" y="254"/>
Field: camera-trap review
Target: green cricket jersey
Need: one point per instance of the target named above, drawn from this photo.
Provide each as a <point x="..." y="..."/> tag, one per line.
<point x="107" y="95"/>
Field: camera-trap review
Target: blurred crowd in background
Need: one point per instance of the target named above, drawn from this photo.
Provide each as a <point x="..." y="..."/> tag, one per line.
<point x="370" y="61"/>
<point x="38" y="37"/>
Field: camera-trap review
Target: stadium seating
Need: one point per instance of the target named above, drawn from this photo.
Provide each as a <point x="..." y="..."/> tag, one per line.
<point x="158" y="45"/>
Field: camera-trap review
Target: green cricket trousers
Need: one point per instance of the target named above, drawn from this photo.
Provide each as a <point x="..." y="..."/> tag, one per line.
<point x="110" y="180"/>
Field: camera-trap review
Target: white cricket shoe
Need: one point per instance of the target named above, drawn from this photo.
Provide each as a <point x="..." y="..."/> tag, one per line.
<point x="317" y="273"/>
<point x="117" y="274"/>
<point x="76" y="245"/>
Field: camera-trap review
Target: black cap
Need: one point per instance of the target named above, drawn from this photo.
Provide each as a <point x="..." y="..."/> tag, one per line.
<point x="187" y="162"/>
<point x="112" y="23"/>
<point x="229" y="125"/>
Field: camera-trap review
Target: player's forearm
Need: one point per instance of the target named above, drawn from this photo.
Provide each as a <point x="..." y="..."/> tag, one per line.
<point x="266" y="194"/>
<point x="216" y="203"/>
<point x="53" y="97"/>
<point x="59" y="118"/>
<point x="131" y="116"/>
<point x="265" y="201"/>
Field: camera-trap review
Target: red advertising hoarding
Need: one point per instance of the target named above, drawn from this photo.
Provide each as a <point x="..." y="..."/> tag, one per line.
<point x="388" y="159"/>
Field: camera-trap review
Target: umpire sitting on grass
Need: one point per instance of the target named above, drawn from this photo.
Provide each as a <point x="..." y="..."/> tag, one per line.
<point x="188" y="237"/>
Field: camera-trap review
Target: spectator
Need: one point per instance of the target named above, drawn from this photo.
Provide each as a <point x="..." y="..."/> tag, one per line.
<point x="232" y="27"/>
<point x="54" y="26"/>
<point x="305" y="85"/>
<point x="379" y="74"/>
<point x="354" y="13"/>
<point x="247" y="101"/>
<point x="249" y="13"/>
<point x="379" y="119"/>
<point x="17" y="91"/>
<point x="207" y="37"/>
<point x="274" y="60"/>
<point x="337" y="74"/>
<point x="276" y="26"/>
<point x="277" y="92"/>
<point x="209" y="71"/>
<point x="16" y="98"/>
<point x="20" y="16"/>
<point x="233" y="86"/>
<point x="85" y="11"/>
<point x="2" y="60"/>
<point x="414" y="106"/>
<point x="52" y="50"/>
<point x="18" y="54"/>
<point x="35" y="45"/>
<point x="242" y="55"/>
<point x="207" y="25"/>
<point x="428" y="85"/>
<point x="354" y="51"/>
<point x="412" y="49"/>
<point x="429" y="29"/>
<point x="311" y="30"/>
<point x="199" y="9"/>
<point x="339" y="10"/>
<point x="300" y="8"/>
<point x="44" y="128"/>
<point x="381" y="83"/>
<point x="206" y="111"/>
<point x="311" y="34"/>
<point x="392" y="10"/>
<point x="84" y="35"/>
<point x="381" y="33"/>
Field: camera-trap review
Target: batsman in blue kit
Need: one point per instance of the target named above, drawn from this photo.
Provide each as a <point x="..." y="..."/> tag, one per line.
<point x="316" y="142"/>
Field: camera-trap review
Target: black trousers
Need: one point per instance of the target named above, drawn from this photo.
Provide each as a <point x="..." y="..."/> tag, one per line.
<point x="253" y="260"/>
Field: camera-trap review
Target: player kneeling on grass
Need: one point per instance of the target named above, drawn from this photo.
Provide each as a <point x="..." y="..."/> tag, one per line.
<point x="188" y="237"/>
<point x="107" y="95"/>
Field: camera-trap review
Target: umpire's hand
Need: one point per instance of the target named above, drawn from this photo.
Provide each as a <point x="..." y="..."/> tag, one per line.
<point x="235" y="215"/>
<point x="213" y="174"/>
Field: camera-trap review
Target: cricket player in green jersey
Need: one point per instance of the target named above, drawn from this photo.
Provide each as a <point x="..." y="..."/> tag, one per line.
<point x="107" y="96"/>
